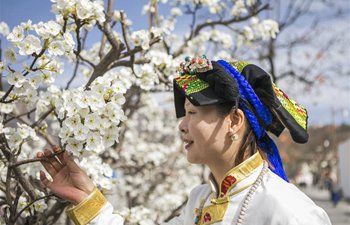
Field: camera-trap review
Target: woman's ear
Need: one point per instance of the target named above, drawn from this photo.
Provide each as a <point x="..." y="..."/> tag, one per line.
<point x="237" y="119"/>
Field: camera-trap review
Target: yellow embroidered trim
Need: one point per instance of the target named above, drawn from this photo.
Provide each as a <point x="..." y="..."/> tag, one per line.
<point x="244" y="169"/>
<point x="219" y="207"/>
<point x="88" y="209"/>
<point x="216" y="213"/>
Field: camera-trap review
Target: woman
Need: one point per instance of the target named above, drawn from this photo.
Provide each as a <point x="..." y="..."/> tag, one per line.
<point x="228" y="109"/>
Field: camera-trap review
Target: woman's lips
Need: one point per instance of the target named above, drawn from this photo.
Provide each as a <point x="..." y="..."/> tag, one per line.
<point x="188" y="144"/>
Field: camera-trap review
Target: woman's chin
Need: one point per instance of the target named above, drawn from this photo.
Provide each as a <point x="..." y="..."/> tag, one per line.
<point x="193" y="159"/>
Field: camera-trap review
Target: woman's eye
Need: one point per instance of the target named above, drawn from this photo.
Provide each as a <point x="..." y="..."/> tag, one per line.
<point x="191" y="112"/>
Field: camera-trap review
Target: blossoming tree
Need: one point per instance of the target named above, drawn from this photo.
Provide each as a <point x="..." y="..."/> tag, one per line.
<point x="122" y="135"/>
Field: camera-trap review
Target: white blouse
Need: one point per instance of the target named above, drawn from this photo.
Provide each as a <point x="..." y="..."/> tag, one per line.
<point x="272" y="202"/>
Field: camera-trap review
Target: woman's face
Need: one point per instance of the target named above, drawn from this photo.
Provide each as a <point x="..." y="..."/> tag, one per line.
<point x="205" y="134"/>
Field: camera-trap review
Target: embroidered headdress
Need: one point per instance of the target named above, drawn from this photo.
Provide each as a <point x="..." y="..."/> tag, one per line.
<point x="266" y="107"/>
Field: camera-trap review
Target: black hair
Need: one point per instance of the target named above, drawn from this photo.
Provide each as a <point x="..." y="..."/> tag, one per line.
<point x="249" y="144"/>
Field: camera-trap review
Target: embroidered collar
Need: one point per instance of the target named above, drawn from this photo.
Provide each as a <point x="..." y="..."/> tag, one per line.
<point x="235" y="175"/>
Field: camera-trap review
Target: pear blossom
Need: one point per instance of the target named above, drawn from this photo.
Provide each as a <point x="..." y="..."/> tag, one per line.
<point x="29" y="45"/>
<point x="73" y="122"/>
<point x="56" y="48"/>
<point x="27" y="25"/>
<point x="17" y="79"/>
<point x="92" y="121"/>
<point x="175" y="11"/>
<point x="238" y="8"/>
<point x="96" y="101"/>
<point x="16" y="35"/>
<point x="22" y="203"/>
<point x="4" y="29"/>
<point x="40" y="205"/>
<point x="10" y="55"/>
<point x="26" y="132"/>
<point x="84" y="9"/>
<point x="268" y="28"/>
<point x="109" y="138"/>
<point x="53" y="28"/>
<point x="93" y="141"/>
<point x="141" y="38"/>
<point x="80" y="132"/>
<point x="74" y="146"/>
<point x="65" y="133"/>
<point x="103" y="123"/>
<point x="14" y="140"/>
<point x="248" y="33"/>
<point x="35" y="81"/>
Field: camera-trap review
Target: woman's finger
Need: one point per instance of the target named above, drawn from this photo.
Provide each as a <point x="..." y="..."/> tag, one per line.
<point x="44" y="179"/>
<point x="57" y="150"/>
<point x="47" y="165"/>
<point x="72" y="166"/>
<point x="53" y="160"/>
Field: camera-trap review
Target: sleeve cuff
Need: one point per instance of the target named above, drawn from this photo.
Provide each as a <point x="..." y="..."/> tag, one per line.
<point x="88" y="209"/>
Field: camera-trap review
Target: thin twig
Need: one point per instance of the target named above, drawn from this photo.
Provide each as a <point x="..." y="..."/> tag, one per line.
<point x="31" y="203"/>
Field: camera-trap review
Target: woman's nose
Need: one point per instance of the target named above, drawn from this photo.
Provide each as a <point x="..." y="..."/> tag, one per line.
<point x="183" y="126"/>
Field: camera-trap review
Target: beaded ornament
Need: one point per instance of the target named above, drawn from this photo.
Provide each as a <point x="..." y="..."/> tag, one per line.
<point x="198" y="64"/>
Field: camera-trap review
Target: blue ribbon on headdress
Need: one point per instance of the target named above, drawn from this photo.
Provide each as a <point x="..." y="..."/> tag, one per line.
<point x="262" y="113"/>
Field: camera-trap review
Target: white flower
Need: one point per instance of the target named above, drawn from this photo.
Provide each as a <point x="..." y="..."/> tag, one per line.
<point x="74" y="146"/>
<point x="98" y="10"/>
<point x="117" y="15"/>
<point x="119" y="87"/>
<point x="109" y="139"/>
<point x="35" y="81"/>
<point x="29" y="45"/>
<point x="15" y="140"/>
<point x="25" y="131"/>
<point x="82" y="101"/>
<point x="6" y="108"/>
<point x="80" y="132"/>
<point x="250" y="2"/>
<point x="56" y="48"/>
<point x="10" y="55"/>
<point x="176" y="11"/>
<point x="4" y="28"/>
<point x="92" y="121"/>
<point x="40" y="205"/>
<point x="96" y="102"/>
<point x="69" y="42"/>
<point x="84" y="9"/>
<point x="17" y="79"/>
<point x="55" y="67"/>
<point x="268" y="28"/>
<point x="93" y="141"/>
<point x="65" y="133"/>
<point x="141" y="38"/>
<point x="22" y="203"/>
<point x="103" y="123"/>
<point x="238" y="8"/>
<point x="16" y="35"/>
<point x="52" y="28"/>
<point x="114" y="112"/>
<point x="27" y="25"/>
<point x="248" y="33"/>
<point x="47" y="77"/>
<point x="73" y="122"/>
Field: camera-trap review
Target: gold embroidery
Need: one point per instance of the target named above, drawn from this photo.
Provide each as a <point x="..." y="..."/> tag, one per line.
<point x="88" y="209"/>
<point x="216" y="213"/>
<point x="244" y="169"/>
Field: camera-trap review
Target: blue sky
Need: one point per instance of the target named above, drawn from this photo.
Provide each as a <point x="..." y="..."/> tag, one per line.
<point x="325" y="105"/>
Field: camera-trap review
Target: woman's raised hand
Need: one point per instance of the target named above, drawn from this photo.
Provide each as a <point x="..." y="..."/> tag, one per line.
<point x="69" y="181"/>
